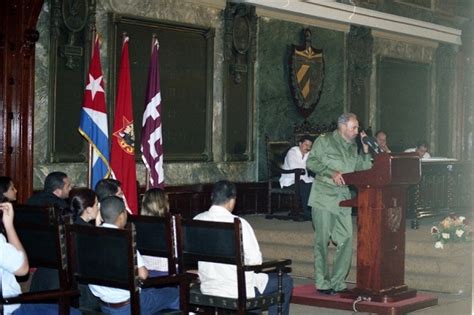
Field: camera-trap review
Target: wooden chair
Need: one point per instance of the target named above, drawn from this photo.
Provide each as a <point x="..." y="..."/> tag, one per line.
<point x="155" y="236"/>
<point x="107" y="257"/>
<point x="41" y="232"/>
<point x="218" y="242"/>
<point x="287" y="199"/>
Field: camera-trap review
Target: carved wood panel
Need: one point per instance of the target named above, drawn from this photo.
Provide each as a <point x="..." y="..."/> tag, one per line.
<point x="17" y="49"/>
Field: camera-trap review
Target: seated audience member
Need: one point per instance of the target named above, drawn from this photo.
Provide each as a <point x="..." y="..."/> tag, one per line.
<point x="85" y="206"/>
<point x="421" y="149"/>
<point x="14" y="262"/>
<point x="221" y="279"/>
<point x="108" y="187"/>
<point x="117" y="301"/>
<point x="381" y="137"/>
<point x="55" y="193"/>
<point x="296" y="158"/>
<point x="155" y="203"/>
<point x="7" y="189"/>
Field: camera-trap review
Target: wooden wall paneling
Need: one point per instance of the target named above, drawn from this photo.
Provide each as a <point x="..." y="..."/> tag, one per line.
<point x="189" y="200"/>
<point x="18" y="40"/>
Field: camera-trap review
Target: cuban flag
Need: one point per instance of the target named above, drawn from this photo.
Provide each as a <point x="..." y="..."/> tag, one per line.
<point x="93" y="125"/>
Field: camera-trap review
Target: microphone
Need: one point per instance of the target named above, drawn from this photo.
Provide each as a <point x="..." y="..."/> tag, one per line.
<point x="373" y="145"/>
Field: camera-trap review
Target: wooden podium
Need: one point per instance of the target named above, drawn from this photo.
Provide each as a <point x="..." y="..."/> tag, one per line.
<point x="382" y="203"/>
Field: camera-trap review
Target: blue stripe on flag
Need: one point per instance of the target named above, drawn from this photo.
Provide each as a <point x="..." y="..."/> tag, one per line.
<point x="100" y="142"/>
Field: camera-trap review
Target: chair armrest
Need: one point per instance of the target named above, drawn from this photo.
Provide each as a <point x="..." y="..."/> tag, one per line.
<point x="39" y="297"/>
<point x="272" y="264"/>
<point x="165" y="280"/>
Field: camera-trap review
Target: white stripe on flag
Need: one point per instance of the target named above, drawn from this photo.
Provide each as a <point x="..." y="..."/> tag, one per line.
<point x="152" y="108"/>
<point x="159" y="169"/>
<point x="99" y="118"/>
<point x="154" y="137"/>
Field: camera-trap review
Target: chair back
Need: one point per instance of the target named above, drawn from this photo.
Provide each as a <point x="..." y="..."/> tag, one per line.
<point x="41" y="232"/>
<point x="156" y="236"/>
<point x="106" y="257"/>
<point x="276" y="153"/>
<point x="214" y="242"/>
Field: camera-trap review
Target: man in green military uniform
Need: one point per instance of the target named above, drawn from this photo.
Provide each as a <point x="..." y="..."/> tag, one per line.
<point x="331" y="156"/>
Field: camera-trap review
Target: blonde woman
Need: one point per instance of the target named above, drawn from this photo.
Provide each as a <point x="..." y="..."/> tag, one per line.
<point x="155" y="203"/>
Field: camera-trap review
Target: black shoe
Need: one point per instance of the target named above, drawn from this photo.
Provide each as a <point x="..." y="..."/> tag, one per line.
<point x="327" y="291"/>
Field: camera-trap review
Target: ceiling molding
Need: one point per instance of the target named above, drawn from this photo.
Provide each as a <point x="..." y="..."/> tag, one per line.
<point x="330" y="11"/>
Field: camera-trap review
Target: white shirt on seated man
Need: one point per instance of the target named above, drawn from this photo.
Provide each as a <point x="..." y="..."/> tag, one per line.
<point x="296" y="158"/>
<point x="221" y="279"/>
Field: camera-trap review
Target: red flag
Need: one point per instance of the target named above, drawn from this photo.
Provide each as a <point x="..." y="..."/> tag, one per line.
<point x="152" y="138"/>
<point x="122" y="159"/>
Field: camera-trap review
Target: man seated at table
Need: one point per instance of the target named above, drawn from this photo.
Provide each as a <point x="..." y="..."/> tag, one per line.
<point x="117" y="301"/>
<point x="421" y="148"/>
<point x="296" y="158"/>
<point x="221" y="279"/>
<point x="14" y="262"/>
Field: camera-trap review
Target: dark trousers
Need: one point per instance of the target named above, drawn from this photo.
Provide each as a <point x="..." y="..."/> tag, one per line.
<point x="305" y="190"/>
<point x="272" y="287"/>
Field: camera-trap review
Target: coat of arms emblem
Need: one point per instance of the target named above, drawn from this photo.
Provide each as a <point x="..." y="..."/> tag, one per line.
<point x="306" y="75"/>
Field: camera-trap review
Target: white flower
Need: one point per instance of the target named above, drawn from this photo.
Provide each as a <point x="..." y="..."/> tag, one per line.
<point x="462" y="219"/>
<point x="459" y="232"/>
<point x="445" y="235"/>
<point x="439" y="245"/>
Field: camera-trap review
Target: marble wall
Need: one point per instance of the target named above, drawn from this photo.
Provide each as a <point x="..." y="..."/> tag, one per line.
<point x="276" y="112"/>
<point x="192" y="12"/>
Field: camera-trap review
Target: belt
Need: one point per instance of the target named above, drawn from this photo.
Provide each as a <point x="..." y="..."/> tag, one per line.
<point x="115" y="305"/>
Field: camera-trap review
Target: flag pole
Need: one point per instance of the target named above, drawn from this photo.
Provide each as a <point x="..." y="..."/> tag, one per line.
<point x="89" y="167"/>
<point x="147" y="173"/>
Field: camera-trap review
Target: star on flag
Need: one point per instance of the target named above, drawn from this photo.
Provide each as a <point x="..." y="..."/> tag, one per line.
<point x="94" y="85"/>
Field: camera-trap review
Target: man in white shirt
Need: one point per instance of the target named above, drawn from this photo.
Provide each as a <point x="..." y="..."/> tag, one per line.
<point x="14" y="262"/>
<point x="296" y="158"/>
<point x="221" y="279"/>
<point x="421" y="149"/>
<point x="117" y="301"/>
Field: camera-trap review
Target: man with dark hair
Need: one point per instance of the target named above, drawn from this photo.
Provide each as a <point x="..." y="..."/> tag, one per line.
<point x="421" y="148"/>
<point x="108" y="187"/>
<point x="221" y="279"/>
<point x="55" y="193"/>
<point x="117" y="301"/>
<point x="331" y="156"/>
<point x="296" y="158"/>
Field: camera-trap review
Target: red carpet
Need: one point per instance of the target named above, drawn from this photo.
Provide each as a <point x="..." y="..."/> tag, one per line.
<point x="307" y="295"/>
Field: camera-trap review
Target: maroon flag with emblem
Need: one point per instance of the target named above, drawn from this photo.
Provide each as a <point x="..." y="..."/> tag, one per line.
<point x="152" y="138"/>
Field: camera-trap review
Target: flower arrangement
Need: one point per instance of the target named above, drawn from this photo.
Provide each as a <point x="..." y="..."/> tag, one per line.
<point x="451" y="229"/>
